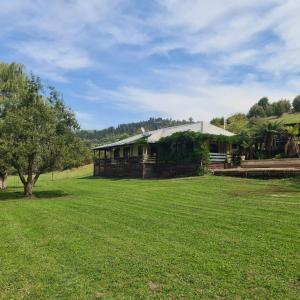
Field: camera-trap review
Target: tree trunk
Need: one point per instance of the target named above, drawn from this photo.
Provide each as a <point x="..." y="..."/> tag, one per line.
<point x="28" y="189"/>
<point x="3" y="181"/>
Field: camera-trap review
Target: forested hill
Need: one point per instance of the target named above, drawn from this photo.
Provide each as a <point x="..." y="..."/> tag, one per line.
<point x="113" y="134"/>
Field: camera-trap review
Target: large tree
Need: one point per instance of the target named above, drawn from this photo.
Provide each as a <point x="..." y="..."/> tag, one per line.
<point x="37" y="128"/>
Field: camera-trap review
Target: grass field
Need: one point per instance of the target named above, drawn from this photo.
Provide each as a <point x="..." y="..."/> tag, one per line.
<point x="286" y="119"/>
<point x="203" y="237"/>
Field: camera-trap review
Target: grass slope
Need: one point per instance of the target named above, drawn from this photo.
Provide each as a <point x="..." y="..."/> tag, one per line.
<point x="286" y="119"/>
<point x="203" y="237"/>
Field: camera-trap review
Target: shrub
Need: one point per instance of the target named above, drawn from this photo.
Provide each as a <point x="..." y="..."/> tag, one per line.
<point x="296" y="104"/>
<point x="256" y="111"/>
<point x="280" y="107"/>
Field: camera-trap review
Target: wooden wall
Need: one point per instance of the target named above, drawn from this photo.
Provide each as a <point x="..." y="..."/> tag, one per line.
<point x="139" y="169"/>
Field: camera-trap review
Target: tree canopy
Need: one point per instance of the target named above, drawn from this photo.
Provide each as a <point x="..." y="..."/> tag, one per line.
<point x="296" y="104"/>
<point x="37" y="130"/>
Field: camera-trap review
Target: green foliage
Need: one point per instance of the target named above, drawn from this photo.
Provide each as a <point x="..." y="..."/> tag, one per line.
<point x="181" y="146"/>
<point x="246" y="143"/>
<point x="263" y="102"/>
<point x="265" y="109"/>
<point x="37" y="130"/>
<point x="266" y="132"/>
<point x="296" y="104"/>
<point x="291" y="148"/>
<point x="189" y="146"/>
<point x="217" y="122"/>
<point x="237" y="123"/>
<point x="280" y="107"/>
<point x="256" y="111"/>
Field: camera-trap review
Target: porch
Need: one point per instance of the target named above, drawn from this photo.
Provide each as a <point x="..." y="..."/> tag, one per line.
<point x="142" y="161"/>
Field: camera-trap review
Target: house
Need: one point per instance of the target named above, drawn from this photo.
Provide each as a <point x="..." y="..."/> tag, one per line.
<point x="139" y="156"/>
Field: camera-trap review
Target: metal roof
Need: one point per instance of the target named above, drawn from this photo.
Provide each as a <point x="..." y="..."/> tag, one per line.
<point x="155" y="135"/>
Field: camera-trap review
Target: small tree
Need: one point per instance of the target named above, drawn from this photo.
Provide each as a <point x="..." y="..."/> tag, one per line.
<point x="263" y="102"/>
<point x="280" y="107"/>
<point x="256" y="111"/>
<point x="217" y="122"/>
<point x="247" y="143"/>
<point x="38" y="131"/>
<point x="296" y="104"/>
<point x="237" y="123"/>
<point x="291" y="148"/>
<point x="266" y="132"/>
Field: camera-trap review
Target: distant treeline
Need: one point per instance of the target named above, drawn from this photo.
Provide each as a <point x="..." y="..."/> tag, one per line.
<point x="113" y="134"/>
<point x="263" y="110"/>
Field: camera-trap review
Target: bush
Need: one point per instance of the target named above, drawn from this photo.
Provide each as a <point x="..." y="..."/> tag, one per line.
<point x="256" y="111"/>
<point x="296" y="104"/>
<point x="280" y="107"/>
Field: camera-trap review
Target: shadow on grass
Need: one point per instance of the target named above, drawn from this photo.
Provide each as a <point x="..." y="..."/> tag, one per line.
<point x="12" y="195"/>
<point x="141" y="179"/>
<point x="107" y="178"/>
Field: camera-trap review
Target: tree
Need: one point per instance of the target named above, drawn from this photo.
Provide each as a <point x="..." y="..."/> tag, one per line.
<point x="237" y="123"/>
<point x="247" y="144"/>
<point x="37" y="128"/>
<point x="191" y="120"/>
<point x="217" y="122"/>
<point x="266" y="132"/>
<point x="280" y="107"/>
<point x="296" y="104"/>
<point x="3" y="176"/>
<point x="270" y="110"/>
<point x="256" y="111"/>
<point x="11" y="85"/>
<point x="291" y="148"/>
<point x="263" y="102"/>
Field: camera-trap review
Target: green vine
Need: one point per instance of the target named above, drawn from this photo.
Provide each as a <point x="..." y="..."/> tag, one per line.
<point x="185" y="146"/>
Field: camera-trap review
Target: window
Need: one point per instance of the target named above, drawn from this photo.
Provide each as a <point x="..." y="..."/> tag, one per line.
<point x="213" y="147"/>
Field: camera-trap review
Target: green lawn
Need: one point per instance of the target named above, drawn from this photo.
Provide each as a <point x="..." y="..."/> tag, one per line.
<point x="202" y="237"/>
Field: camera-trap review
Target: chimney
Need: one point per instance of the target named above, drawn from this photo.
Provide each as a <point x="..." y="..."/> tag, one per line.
<point x="144" y="132"/>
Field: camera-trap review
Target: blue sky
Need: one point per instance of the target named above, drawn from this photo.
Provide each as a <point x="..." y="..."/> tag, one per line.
<point x="119" y="61"/>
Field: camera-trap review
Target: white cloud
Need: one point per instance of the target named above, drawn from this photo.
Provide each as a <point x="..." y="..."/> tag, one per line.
<point x="203" y="103"/>
<point x="55" y="55"/>
<point x="214" y="37"/>
<point x="188" y="93"/>
<point x="86" y="120"/>
<point x="59" y="36"/>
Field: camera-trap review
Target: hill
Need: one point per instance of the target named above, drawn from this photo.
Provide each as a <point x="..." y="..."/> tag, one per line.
<point x="238" y="122"/>
<point x="113" y="134"/>
<point x="287" y="118"/>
